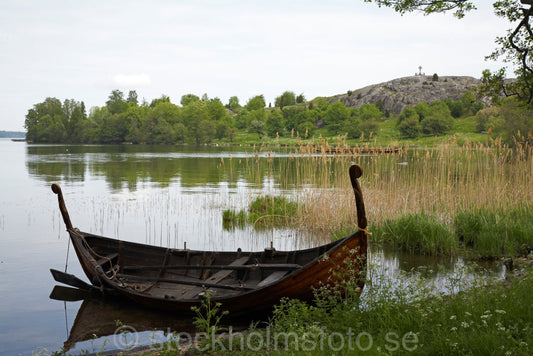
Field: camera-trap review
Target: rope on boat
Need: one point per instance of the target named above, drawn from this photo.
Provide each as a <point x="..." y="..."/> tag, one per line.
<point x="93" y="252"/>
<point x="66" y="260"/>
<point x="365" y="230"/>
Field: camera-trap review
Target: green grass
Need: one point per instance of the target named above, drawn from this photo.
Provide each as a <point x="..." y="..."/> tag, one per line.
<point x="482" y="320"/>
<point x="394" y="317"/>
<point x="388" y="135"/>
<point x="497" y="232"/>
<point x="417" y="233"/>
<point x="482" y="233"/>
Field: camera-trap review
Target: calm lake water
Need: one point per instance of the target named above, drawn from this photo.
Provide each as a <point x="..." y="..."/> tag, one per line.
<point x="157" y="195"/>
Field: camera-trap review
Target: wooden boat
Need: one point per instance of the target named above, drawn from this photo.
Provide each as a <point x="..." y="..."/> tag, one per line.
<point x="244" y="282"/>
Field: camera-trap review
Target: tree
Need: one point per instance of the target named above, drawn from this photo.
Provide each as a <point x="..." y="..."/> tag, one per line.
<point x="257" y="102"/>
<point x="410" y="127"/>
<point x="285" y="99"/>
<point x="241" y="120"/>
<point x="233" y="103"/>
<point x="422" y="110"/>
<point x="74" y="120"/>
<point x="409" y="123"/>
<point x="194" y="114"/>
<point x="45" y="122"/>
<point x="188" y="98"/>
<point x="160" y="123"/>
<point x="258" y="115"/>
<point x="109" y="128"/>
<point x="515" y="47"/>
<point x="116" y="103"/>
<point x="335" y="115"/>
<point x="369" y="127"/>
<point x="207" y="130"/>
<point x="132" y="97"/>
<point x="216" y="109"/>
<point x="515" y="124"/>
<point x="163" y="99"/>
<point x="223" y="129"/>
<point x="274" y="124"/>
<point x="457" y="107"/>
<point x="369" y="112"/>
<point x="351" y="127"/>
<point x="257" y="127"/>
<point x="292" y="117"/>
<point x="305" y="121"/>
<point x="486" y="118"/>
<point x="135" y="117"/>
<point x="300" y="99"/>
<point x="439" y="120"/>
<point x="427" y="6"/>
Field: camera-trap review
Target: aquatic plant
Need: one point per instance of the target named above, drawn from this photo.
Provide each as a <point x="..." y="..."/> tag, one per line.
<point x="418" y="233"/>
<point x="496" y="232"/>
<point x="263" y="211"/>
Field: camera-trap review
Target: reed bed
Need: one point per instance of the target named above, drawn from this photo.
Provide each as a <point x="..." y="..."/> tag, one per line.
<point x="441" y="181"/>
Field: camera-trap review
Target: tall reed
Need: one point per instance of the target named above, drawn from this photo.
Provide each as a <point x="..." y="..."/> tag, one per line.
<point x="442" y="181"/>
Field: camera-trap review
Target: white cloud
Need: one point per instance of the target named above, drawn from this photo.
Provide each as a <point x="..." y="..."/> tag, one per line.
<point x="131" y="80"/>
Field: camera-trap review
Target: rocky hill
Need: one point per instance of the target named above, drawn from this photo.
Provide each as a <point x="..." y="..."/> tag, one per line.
<point x="394" y="95"/>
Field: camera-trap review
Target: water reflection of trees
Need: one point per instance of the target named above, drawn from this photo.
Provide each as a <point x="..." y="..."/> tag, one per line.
<point x="125" y="166"/>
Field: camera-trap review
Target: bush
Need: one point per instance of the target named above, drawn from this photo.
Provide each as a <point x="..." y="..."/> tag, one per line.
<point x="435" y="125"/>
<point x="487" y="118"/>
<point x="369" y="127"/>
<point x="438" y="119"/>
<point x="410" y="127"/>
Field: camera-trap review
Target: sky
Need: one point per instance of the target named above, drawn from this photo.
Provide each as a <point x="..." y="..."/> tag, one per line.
<point x="83" y="50"/>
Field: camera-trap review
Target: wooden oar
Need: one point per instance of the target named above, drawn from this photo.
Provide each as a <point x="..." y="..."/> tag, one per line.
<point x="69" y="294"/>
<point x="71" y="280"/>
<point x="177" y="281"/>
<point x="277" y="267"/>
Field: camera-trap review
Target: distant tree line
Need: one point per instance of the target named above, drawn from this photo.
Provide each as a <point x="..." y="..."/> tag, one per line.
<point x="200" y="120"/>
<point x="197" y="120"/>
<point x="12" y="134"/>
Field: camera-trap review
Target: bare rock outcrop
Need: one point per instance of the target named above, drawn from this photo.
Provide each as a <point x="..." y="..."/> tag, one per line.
<point x="396" y="94"/>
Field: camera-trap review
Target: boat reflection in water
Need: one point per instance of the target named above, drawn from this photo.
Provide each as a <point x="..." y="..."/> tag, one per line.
<point x="112" y="323"/>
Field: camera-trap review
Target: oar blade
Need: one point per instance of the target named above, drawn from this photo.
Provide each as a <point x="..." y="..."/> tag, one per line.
<point x="68" y="294"/>
<point x="70" y="280"/>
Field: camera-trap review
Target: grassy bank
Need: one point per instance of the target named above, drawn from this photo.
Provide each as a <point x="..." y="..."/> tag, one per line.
<point x="483" y="232"/>
<point x="464" y="130"/>
<point x="393" y="315"/>
<point x="480" y="317"/>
